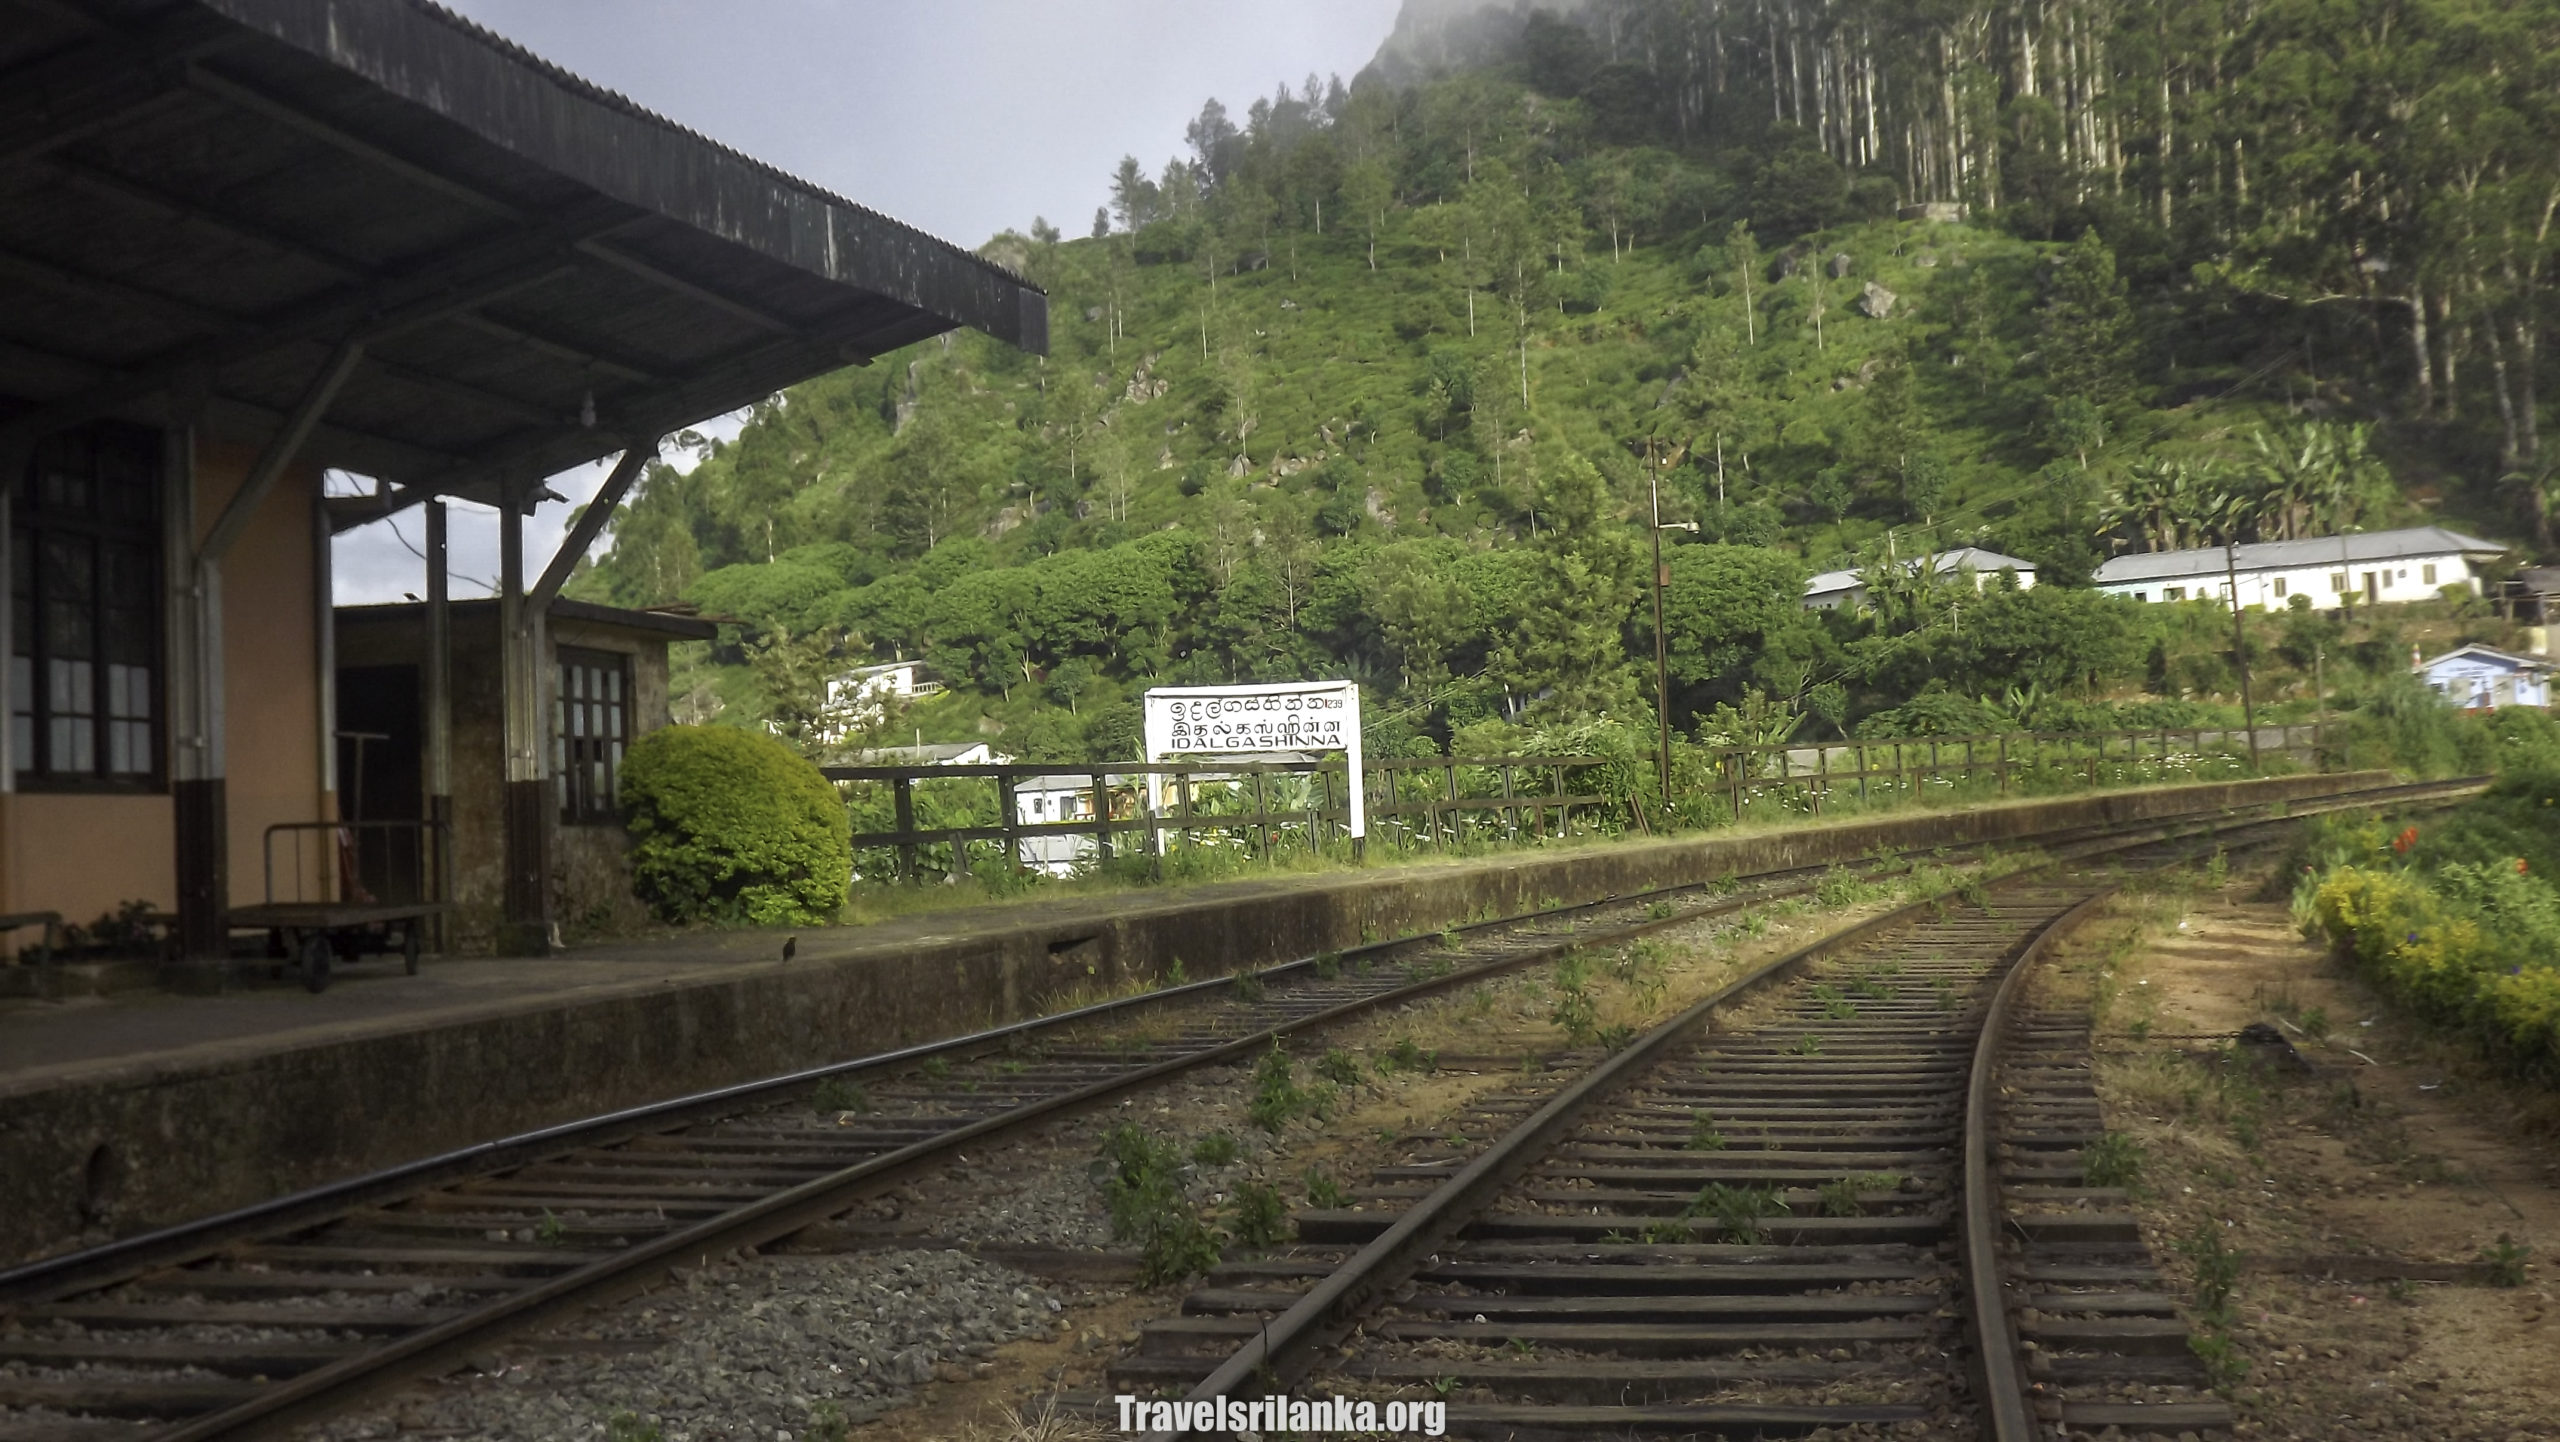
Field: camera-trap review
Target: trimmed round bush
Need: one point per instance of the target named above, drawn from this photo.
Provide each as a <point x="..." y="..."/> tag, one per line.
<point x="732" y="825"/>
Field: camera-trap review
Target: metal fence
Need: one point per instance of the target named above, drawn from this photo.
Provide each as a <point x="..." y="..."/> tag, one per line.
<point x="1058" y="818"/>
<point x="1807" y="774"/>
<point x="911" y="820"/>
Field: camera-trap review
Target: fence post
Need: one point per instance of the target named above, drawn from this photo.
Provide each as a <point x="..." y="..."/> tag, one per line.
<point x="1182" y="800"/>
<point x="1010" y="810"/>
<point x="1319" y="808"/>
<point x="1510" y="813"/>
<point x="905" y="789"/>
<point x="1821" y="776"/>
<point x="1457" y="813"/>
<point x="1262" y="819"/>
<point x="2099" y="746"/>
<point x="2004" y="763"/>
<point x="1101" y="816"/>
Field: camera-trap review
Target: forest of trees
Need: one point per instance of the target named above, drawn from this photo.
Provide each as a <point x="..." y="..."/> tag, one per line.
<point x="1374" y="380"/>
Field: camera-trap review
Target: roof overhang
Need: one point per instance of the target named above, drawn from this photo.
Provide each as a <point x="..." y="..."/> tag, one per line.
<point x="204" y="203"/>
<point x="665" y="625"/>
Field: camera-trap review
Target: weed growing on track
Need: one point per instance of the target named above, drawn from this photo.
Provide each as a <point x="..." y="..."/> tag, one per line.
<point x="1249" y="989"/>
<point x="1277" y="1097"/>
<point x="1339" y="1067"/>
<point x="1703" y="1136"/>
<point x="1323" y="1192"/>
<point x="1809" y="1044"/>
<point x="550" y="1233"/>
<point x="1328" y="965"/>
<point x="627" y="1427"/>
<point x="1946" y="994"/>
<point x="1576" y="1012"/>
<point x="1639" y="968"/>
<point x="1217" y="1149"/>
<point x="838" y="1095"/>
<point x="936" y="1067"/>
<point x="1835" y="1004"/>
<point x="1616" y="1037"/>
<point x="1406" y="1056"/>
<point x="1657" y="911"/>
<point x="827" y="1423"/>
<point x="2506" y="1261"/>
<point x="2113" y="1160"/>
<point x="1142" y="1187"/>
<point x="1257" y="1217"/>
<point x="1736" y="1211"/>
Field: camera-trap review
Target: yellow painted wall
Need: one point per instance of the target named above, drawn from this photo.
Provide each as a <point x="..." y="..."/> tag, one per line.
<point x="270" y="671"/>
<point x="82" y="855"/>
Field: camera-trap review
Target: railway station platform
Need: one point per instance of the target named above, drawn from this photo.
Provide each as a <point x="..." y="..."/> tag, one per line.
<point x="124" y="1112"/>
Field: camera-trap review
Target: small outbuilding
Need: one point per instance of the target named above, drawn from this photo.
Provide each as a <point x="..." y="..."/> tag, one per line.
<point x="607" y="669"/>
<point x="2479" y="678"/>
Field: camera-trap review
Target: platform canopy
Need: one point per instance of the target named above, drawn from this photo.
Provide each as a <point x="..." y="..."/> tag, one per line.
<point x="207" y="207"/>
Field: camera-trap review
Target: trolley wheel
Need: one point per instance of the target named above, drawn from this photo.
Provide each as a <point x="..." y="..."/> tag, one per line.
<point x="315" y="959"/>
<point x="409" y="945"/>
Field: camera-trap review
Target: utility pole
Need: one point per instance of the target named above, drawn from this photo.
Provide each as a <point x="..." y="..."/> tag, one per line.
<point x="1661" y="649"/>
<point x="2240" y="643"/>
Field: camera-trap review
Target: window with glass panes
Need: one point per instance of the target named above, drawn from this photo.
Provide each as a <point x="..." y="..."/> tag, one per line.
<point x="592" y="723"/>
<point x="84" y="611"/>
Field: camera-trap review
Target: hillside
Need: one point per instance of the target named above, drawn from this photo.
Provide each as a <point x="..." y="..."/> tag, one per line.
<point x="1367" y="385"/>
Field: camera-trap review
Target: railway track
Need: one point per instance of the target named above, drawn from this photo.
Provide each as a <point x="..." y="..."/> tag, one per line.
<point x="1770" y="1230"/>
<point x="247" y="1323"/>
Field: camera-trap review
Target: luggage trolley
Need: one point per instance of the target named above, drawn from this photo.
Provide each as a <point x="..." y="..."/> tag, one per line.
<point x="381" y="905"/>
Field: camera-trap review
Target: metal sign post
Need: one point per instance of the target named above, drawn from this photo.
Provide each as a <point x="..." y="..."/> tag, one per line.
<point x="1196" y="723"/>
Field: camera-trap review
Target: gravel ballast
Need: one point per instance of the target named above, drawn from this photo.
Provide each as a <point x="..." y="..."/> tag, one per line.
<point x="766" y="1349"/>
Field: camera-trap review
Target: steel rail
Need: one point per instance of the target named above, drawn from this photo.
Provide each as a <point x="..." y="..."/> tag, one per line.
<point x="755" y="1224"/>
<point x="2001" y="1381"/>
<point x="1286" y="1347"/>
<point x="47" y="1278"/>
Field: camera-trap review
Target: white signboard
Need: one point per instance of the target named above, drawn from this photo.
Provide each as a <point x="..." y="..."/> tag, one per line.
<point x="1201" y="723"/>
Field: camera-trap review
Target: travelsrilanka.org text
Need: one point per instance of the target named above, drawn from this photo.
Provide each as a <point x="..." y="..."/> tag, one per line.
<point x="1283" y="1414"/>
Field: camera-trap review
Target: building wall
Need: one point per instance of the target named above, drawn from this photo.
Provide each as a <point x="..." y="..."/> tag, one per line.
<point x="84" y="855"/>
<point x="2402" y="580"/>
<point x="271" y="685"/>
<point x="591" y="865"/>
<point x="590" y="869"/>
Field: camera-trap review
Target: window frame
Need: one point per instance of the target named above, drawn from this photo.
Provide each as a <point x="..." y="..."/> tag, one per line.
<point x="40" y="521"/>
<point x="587" y="731"/>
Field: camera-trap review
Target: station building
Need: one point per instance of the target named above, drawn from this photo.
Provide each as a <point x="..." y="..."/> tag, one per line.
<point x="247" y="241"/>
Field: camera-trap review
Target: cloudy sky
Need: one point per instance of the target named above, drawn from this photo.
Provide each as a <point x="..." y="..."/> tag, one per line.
<point x="961" y="117"/>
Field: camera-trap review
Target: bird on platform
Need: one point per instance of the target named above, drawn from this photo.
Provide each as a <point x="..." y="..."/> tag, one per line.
<point x="790" y="948"/>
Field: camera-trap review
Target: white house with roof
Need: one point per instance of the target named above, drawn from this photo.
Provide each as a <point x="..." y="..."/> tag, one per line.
<point x="2477" y="677"/>
<point x="2375" y="567"/>
<point x="1834" y="590"/>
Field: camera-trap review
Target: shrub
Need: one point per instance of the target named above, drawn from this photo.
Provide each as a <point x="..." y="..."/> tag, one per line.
<point x="730" y="825"/>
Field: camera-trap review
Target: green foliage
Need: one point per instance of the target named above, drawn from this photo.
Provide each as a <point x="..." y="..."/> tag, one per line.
<point x="2505" y="1260"/>
<point x="1278" y="1099"/>
<point x="1339" y="1067"/>
<point x="2114" y="1159"/>
<point x="730" y="825"/>
<point x="1258" y="1218"/>
<point x="1142" y="1187"/>
<point x="1576" y="1011"/>
<point x="1738" y="1212"/>
<point x="1405" y="1055"/>
<point x="1217" y="1149"/>
<point x="839" y="1094"/>
<point x="628" y="1427"/>
<point x="1354" y="388"/>
<point x="1323" y="1192"/>
<point x="2217" y="1271"/>
<point x="1703" y="1136"/>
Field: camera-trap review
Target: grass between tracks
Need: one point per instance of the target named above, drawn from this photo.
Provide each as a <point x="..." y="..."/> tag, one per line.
<point x="2363" y="1235"/>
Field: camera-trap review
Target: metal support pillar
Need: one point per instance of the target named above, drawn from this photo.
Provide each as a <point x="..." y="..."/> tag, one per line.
<point x="13" y="462"/>
<point x="439" y="718"/>
<point x="199" y="801"/>
<point x="525" y="929"/>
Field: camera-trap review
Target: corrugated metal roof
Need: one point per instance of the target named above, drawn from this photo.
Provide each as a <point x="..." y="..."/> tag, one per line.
<point x="212" y="196"/>
<point x="1962" y="558"/>
<point x="2492" y="653"/>
<point x="2312" y="554"/>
